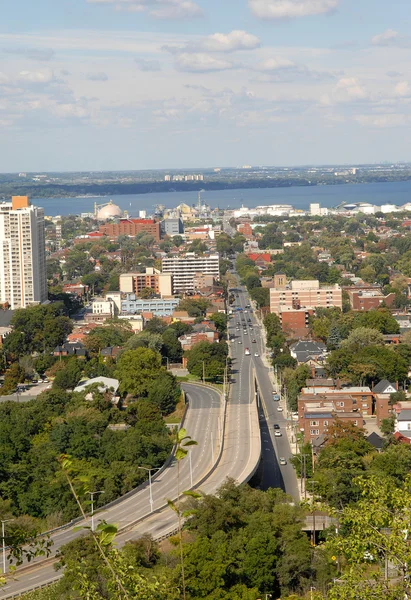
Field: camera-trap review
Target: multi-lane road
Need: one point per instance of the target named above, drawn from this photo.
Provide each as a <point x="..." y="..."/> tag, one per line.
<point x="271" y="473"/>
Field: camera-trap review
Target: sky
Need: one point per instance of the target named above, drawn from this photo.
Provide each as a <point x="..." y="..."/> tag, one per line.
<point x="167" y="84"/>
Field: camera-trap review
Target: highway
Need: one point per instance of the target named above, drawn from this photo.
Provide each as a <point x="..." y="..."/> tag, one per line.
<point x="271" y="473"/>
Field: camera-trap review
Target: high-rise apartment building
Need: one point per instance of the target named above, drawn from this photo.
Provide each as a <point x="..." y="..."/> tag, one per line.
<point x="23" y="278"/>
<point x="184" y="268"/>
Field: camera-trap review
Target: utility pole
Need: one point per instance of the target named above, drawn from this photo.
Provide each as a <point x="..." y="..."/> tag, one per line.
<point x="203" y="372"/>
<point x="313" y="512"/>
<point x="4" y="542"/>
<point x="149" y="485"/>
<point x="92" y="506"/>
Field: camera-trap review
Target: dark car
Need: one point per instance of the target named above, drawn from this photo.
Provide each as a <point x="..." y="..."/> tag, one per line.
<point x="276" y="426"/>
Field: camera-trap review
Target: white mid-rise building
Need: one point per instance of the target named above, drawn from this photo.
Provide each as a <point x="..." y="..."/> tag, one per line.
<point x="184" y="268"/>
<point x="23" y="278"/>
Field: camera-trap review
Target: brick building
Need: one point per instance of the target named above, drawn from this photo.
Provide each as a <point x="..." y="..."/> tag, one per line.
<point x="367" y="298"/>
<point x="295" y="321"/>
<point x="134" y="283"/>
<point x="305" y="294"/>
<point x="132" y="227"/>
<point x="318" y="418"/>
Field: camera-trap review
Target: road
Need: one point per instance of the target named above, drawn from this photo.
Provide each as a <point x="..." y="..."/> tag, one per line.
<point x="271" y="473"/>
<point x="202" y="421"/>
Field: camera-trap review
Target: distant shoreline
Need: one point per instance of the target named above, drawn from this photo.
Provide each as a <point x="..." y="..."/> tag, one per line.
<point x="103" y="190"/>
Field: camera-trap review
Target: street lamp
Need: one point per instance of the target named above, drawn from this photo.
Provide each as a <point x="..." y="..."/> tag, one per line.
<point x="149" y="483"/>
<point x="4" y="521"/>
<point x="92" y="506"/>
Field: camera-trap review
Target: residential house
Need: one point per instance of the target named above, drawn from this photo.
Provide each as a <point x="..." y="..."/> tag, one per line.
<point x="302" y="351"/>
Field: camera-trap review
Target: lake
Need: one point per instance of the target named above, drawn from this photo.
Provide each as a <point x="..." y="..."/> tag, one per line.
<point x="398" y="193"/>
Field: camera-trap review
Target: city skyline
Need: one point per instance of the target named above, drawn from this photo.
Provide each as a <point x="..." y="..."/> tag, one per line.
<point x="115" y="84"/>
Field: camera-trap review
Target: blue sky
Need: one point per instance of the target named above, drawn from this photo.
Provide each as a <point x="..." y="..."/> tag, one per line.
<point x="136" y="84"/>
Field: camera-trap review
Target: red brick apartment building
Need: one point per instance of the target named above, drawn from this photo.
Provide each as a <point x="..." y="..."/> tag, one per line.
<point x="317" y="420"/>
<point x="132" y="227"/>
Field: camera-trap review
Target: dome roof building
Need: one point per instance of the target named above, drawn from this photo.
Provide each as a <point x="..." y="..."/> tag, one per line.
<point x="109" y="211"/>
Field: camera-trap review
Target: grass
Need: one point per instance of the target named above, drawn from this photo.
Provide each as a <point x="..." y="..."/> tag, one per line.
<point x="175" y="417"/>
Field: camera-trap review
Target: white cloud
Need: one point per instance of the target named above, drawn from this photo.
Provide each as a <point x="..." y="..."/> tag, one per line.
<point x="159" y="9"/>
<point x="350" y="88"/>
<point x="385" y="38"/>
<point x="41" y="77"/>
<point x="291" y="9"/>
<point x="220" y="42"/>
<point x="97" y="76"/>
<point x="384" y="121"/>
<point x="403" y="89"/>
<point x="42" y="54"/>
<point x="147" y="65"/>
<point x="275" y="64"/>
<point x="201" y="63"/>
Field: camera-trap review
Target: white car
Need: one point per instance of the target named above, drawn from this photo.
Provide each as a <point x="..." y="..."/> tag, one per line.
<point x="256" y="354"/>
<point x="282" y="461"/>
<point x="240" y="342"/>
<point x="279" y="408"/>
<point x="277" y="433"/>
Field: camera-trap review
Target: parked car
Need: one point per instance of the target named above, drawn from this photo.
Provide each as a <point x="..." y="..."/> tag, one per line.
<point x="277" y="433"/>
<point x="276" y="397"/>
<point x="280" y="408"/>
<point x="282" y="461"/>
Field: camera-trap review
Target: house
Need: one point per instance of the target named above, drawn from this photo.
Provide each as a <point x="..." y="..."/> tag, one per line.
<point x="384" y="387"/>
<point x="110" y="352"/>
<point x="71" y="349"/>
<point x="303" y="350"/>
<point x="402" y="411"/>
<point x="376" y="440"/>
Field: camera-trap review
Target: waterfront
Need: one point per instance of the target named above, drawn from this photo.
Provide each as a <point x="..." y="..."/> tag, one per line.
<point x="398" y="193"/>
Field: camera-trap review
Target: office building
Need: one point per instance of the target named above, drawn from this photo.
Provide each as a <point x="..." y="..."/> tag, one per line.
<point x="23" y="279"/>
<point x="134" y="283"/>
<point x="305" y="294"/>
<point x="172" y="227"/>
<point x="158" y="307"/>
<point x="132" y="227"/>
<point x="184" y="268"/>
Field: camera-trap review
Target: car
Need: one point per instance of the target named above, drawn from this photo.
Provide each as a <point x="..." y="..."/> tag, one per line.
<point x="276" y="426"/>
<point x="276" y="397"/>
<point x="256" y="354"/>
<point x="245" y="332"/>
<point x="282" y="461"/>
<point x="294" y="416"/>
<point x="277" y="433"/>
<point x="237" y="329"/>
<point x="279" y="408"/>
<point x="240" y="342"/>
<point x="249" y="320"/>
<point x="246" y="311"/>
<point x="247" y="352"/>
<point x="254" y="341"/>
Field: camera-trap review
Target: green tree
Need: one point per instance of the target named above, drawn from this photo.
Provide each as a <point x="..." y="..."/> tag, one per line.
<point x="361" y="337"/>
<point x="261" y="296"/>
<point x="68" y="378"/>
<point x="136" y="371"/>
<point x="164" y="392"/>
